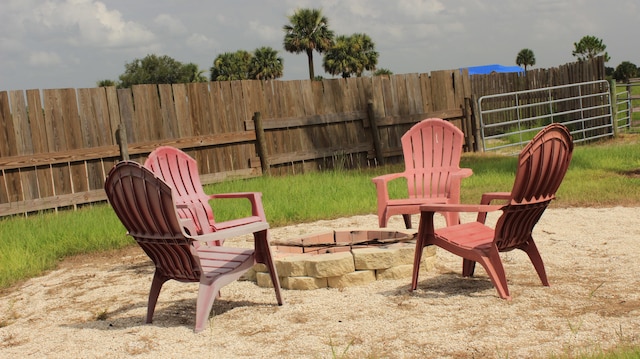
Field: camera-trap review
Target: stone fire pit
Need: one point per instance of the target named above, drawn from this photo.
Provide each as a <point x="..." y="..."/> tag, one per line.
<point x="342" y="258"/>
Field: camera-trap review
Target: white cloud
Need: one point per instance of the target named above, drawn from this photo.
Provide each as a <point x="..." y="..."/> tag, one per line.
<point x="200" y="42"/>
<point x="44" y="59"/>
<point x="265" y="32"/>
<point x="420" y="9"/>
<point x="90" y="23"/>
<point x="175" y="26"/>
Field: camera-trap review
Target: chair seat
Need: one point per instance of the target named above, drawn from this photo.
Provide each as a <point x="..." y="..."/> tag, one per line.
<point x="416" y="201"/>
<point x="473" y="235"/>
<point x="217" y="260"/>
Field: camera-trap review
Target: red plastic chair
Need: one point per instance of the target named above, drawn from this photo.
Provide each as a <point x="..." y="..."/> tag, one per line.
<point x="180" y="171"/>
<point x="542" y="166"/>
<point x="432" y="150"/>
<point x="145" y="205"/>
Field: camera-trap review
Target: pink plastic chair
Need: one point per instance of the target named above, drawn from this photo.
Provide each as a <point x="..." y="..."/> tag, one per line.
<point x="542" y="166"/>
<point x="180" y="171"/>
<point x="432" y="149"/>
<point x="145" y="205"/>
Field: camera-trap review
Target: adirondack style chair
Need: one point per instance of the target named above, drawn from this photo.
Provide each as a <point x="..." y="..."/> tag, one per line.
<point x="180" y="171"/>
<point x="146" y="206"/>
<point x="432" y="150"/>
<point x="542" y="166"/>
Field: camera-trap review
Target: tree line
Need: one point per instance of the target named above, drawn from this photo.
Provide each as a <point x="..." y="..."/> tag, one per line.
<point x="307" y="32"/>
<point x="587" y="48"/>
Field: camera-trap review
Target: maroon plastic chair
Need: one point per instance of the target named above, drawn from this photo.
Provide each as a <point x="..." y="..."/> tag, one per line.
<point x="145" y="205"/>
<point x="432" y="150"/>
<point x="542" y="166"/>
<point x="180" y="171"/>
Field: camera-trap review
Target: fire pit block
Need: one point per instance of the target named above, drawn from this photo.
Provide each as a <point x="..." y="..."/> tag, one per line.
<point x="373" y="258"/>
<point x="330" y="265"/>
<point x="343" y="258"/>
<point x="360" y="277"/>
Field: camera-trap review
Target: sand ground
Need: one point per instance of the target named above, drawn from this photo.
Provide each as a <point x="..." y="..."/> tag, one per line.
<point x="94" y="306"/>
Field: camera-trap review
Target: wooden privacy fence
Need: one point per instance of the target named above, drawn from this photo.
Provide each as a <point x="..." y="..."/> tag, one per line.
<point x="56" y="146"/>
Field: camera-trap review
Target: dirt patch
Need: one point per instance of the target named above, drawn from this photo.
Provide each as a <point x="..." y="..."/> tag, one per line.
<point x="94" y="306"/>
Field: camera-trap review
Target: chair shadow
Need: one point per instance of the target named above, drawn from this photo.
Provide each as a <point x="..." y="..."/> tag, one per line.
<point x="446" y="285"/>
<point x="179" y="313"/>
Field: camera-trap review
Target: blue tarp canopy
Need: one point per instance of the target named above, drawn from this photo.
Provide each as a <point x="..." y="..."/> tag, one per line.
<point x="487" y="69"/>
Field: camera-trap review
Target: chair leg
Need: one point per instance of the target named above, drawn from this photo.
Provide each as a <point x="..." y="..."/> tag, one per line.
<point x="382" y="218"/>
<point x="156" y="286"/>
<point x="534" y="255"/>
<point x="493" y="265"/>
<point x="407" y="220"/>
<point x="210" y="287"/>
<point x="207" y="294"/>
<point x="452" y="218"/>
<point x="265" y="256"/>
<point x="416" y="264"/>
<point x="468" y="267"/>
<point x="425" y="230"/>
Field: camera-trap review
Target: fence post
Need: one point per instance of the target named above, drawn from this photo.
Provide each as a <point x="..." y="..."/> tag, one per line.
<point x="375" y="134"/>
<point x="261" y="143"/>
<point x="614" y="105"/>
<point x="121" y="138"/>
<point x="468" y="127"/>
<point x="476" y="124"/>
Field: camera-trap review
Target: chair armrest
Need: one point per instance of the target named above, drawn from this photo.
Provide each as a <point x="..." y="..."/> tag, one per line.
<point x="463" y="173"/>
<point x="382" y="190"/>
<point x="387" y="177"/>
<point x="490" y="196"/>
<point x="254" y="197"/>
<point x="189" y="226"/>
<point x="200" y="217"/>
<point x="455" y="207"/>
<point x="232" y="232"/>
<point x="486" y="200"/>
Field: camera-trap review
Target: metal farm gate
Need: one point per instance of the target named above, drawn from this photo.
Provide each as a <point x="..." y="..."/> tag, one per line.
<point x="508" y="121"/>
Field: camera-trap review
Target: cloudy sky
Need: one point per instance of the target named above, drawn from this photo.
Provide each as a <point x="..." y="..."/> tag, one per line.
<point x="75" y="43"/>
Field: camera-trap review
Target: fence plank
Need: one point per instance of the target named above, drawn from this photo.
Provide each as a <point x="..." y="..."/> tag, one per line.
<point x="39" y="140"/>
<point x="309" y="125"/>
<point x="24" y="145"/>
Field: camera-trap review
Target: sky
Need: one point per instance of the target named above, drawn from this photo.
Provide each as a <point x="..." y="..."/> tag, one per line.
<point x="76" y="43"/>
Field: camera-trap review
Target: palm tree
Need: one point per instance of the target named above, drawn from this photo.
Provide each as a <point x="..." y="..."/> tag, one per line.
<point x="194" y="73"/>
<point x="265" y="64"/>
<point x="231" y="66"/>
<point x="308" y="31"/>
<point x="351" y="55"/>
<point x="525" y="58"/>
<point x="338" y="59"/>
<point x="367" y="56"/>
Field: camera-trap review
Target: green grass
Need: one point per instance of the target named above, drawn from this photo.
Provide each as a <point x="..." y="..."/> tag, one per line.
<point x="29" y="246"/>
<point x="635" y="90"/>
<point x="597" y="173"/>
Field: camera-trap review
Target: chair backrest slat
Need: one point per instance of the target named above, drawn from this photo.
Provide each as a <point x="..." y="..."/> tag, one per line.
<point x="542" y="165"/>
<point x="144" y="203"/>
<point x="432" y="150"/>
<point x="180" y="171"/>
